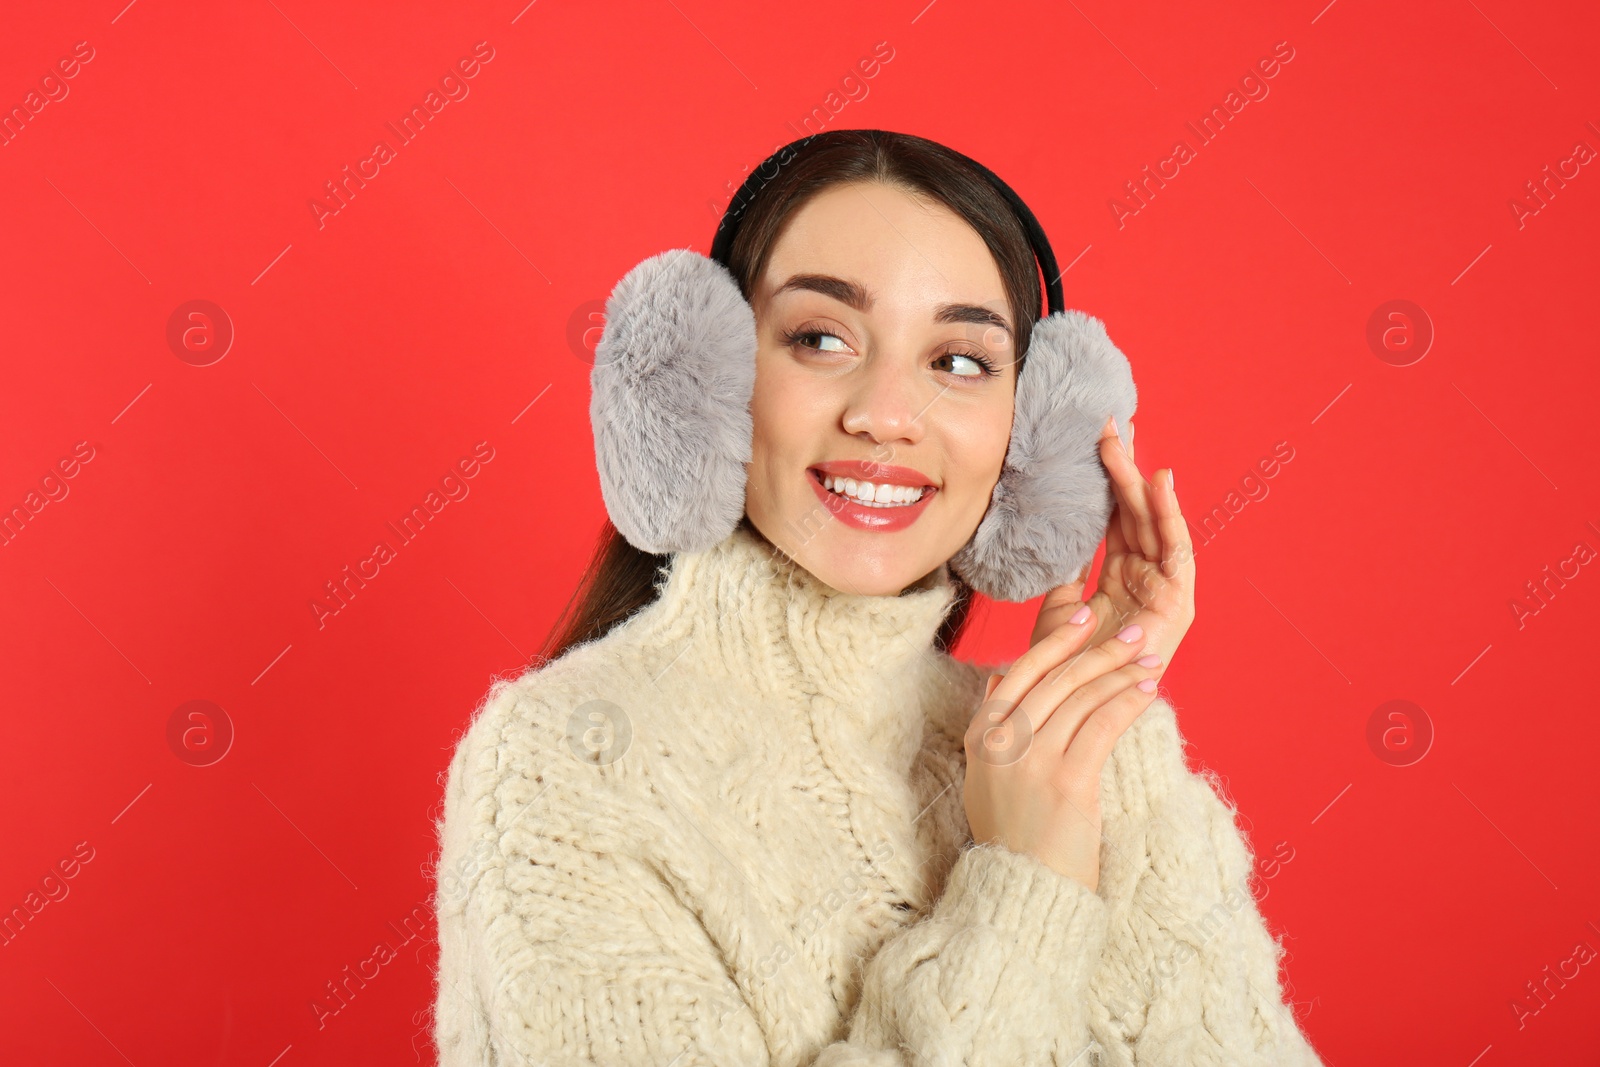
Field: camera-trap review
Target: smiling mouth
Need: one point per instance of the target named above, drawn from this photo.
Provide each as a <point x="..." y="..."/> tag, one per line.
<point x="872" y="495"/>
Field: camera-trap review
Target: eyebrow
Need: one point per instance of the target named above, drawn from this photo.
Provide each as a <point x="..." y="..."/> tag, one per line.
<point x="848" y="292"/>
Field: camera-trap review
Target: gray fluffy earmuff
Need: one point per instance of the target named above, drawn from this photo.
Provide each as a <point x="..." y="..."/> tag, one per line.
<point x="1050" y="508"/>
<point x="673" y="376"/>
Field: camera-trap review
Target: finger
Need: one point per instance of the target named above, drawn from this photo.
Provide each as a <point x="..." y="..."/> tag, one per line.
<point x="1055" y="735"/>
<point x="1045" y="654"/>
<point x="1110" y="447"/>
<point x="1059" y="605"/>
<point x="1116" y="544"/>
<point x="1060" y="682"/>
<point x="1135" y="491"/>
<point x="1177" y="549"/>
<point x="1066" y="596"/>
<point x="1091" y="746"/>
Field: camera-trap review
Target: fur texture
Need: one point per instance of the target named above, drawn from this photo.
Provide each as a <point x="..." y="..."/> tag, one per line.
<point x="1053" y="500"/>
<point x="670" y="406"/>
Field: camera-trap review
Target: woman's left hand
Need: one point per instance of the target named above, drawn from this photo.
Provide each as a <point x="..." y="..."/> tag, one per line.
<point x="1148" y="573"/>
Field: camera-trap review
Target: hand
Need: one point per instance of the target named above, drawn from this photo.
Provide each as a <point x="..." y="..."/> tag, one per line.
<point x="1148" y="573"/>
<point x="1036" y="748"/>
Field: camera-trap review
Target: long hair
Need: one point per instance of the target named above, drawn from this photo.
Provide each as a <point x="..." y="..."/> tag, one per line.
<point x="620" y="578"/>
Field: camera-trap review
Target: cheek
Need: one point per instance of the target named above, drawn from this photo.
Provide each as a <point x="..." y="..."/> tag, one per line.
<point x="783" y="420"/>
<point x="977" y="449"/>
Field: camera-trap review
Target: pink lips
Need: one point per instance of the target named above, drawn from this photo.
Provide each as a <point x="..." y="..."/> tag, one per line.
<point x="860" y="516"/>
<point x="867" y="471"/>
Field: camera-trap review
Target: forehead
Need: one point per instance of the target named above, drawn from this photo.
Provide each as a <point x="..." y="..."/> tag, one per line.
<point x="902" y="247"/>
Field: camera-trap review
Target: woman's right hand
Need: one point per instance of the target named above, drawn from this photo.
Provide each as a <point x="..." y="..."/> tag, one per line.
<point x="1036" y="747"/>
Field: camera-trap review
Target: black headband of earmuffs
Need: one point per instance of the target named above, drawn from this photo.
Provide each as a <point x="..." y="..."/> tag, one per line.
<point x="674" y="374"/>
<point x="728" y="228"/>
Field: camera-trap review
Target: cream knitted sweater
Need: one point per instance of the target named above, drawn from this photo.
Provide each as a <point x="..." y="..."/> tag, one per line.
<point x="731" y="832"/>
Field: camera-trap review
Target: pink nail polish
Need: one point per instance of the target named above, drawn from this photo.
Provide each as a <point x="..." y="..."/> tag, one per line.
<point x="1148" y="685"/>
<point x="1131" y="633"/>
<point x="1080" y="616"/>
<point x="1151" y="660"/>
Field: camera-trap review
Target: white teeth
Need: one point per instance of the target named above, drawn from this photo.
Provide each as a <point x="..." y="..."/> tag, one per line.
<point x="882" y="496"/>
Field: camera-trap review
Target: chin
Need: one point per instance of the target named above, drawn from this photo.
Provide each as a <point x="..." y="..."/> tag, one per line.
<point x="854" y="560"/>
<point x="874" y="568"/>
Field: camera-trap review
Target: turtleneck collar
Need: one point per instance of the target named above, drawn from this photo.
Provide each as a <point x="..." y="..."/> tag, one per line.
<point x="768" y="620"/>
<point x="758" y="642"/>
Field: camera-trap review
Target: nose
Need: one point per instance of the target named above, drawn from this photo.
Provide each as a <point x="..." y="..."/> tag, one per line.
<point x="887" y="403"/>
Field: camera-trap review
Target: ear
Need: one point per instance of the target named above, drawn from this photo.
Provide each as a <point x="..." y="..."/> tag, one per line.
<point x="673" y="376"/>
<point x="1051" y="505"/>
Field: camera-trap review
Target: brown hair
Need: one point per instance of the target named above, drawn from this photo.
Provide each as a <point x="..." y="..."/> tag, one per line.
<point x="620" y="578"/>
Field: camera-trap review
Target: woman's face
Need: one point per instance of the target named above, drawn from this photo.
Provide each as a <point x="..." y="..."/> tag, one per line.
<point x="875" y="315"/>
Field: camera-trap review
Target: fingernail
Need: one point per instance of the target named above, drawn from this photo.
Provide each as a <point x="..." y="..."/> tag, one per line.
<point x="1172" y="480"/>
<point x="1080" y="616"/>
<point x="1131" y="634"/>
<point x="1151" y="660"/>
<point x="1148" y="685"/>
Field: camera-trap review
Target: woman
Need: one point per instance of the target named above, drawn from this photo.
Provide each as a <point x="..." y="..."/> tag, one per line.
<point x="751" y="811"/>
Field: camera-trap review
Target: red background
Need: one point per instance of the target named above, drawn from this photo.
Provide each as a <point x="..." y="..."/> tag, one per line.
<point x="434" y="310"/>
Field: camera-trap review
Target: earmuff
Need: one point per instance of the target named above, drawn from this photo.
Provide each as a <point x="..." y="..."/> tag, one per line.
<point x="674" y="373"/>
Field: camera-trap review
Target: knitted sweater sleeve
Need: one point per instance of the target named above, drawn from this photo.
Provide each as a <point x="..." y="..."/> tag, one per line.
<point x="997" y="973"/>
<point x="1191" y="973"/>
<point x="556" y="948"/>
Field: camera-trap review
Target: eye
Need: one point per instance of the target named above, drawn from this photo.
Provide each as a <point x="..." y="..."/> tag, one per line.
<point x="810" y="337"/>
<point x="984" y="367"/>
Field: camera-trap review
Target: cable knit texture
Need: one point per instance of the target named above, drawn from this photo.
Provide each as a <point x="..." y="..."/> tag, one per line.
<point x="731" y="832"/>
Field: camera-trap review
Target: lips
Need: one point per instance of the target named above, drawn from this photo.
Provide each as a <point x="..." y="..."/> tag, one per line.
<point x="876" y="473"/>
<point x="874" y="517"/>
